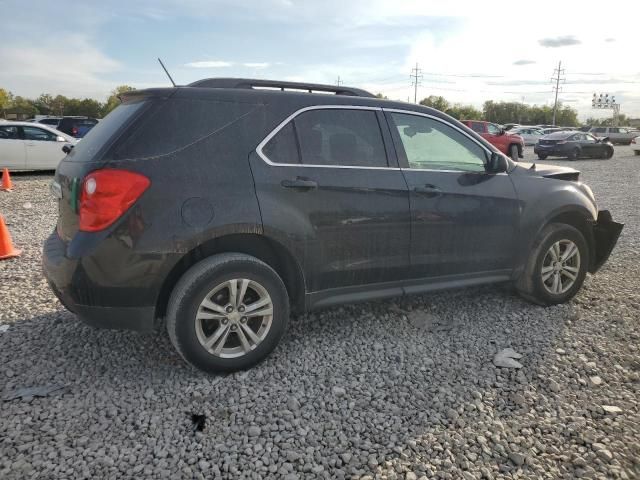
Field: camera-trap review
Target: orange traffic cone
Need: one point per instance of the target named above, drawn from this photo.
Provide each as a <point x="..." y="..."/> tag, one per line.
<point x="6" y="180"/>
<point x="7" y="250"/>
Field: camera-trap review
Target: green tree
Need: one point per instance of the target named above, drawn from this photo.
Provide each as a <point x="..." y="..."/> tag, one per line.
<point x="24" y="106"/>
<point x="435" y="101"/>
<point x="44" y="103"/>
<point x="464" y="112"/>
<point x="113" y="101"/>
<point x="381" y="96"/>
<point x="5" y="101"/>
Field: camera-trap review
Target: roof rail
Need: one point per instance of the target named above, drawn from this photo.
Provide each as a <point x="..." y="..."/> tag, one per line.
<point x="249" y="83"/>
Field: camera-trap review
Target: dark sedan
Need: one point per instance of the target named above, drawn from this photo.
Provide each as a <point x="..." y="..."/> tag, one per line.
<point x="572" y="144"/>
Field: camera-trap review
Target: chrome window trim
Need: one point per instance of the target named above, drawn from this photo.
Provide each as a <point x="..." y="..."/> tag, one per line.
<point x="281" y="125"/>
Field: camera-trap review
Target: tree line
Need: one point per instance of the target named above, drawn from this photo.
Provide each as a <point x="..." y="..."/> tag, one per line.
<point x="59" y="105"/>
<point x="505" y="112"/>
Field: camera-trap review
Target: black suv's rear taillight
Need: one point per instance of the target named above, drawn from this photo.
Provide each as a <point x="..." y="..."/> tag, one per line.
<point x="106" y="195"/>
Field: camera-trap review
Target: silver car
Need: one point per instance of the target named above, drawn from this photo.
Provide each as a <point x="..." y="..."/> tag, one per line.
<point x="530" y="135"/>
<point x="616" y="134"/>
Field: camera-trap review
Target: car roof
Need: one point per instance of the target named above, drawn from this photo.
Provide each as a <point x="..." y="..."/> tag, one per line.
<point x="562" y="134"/>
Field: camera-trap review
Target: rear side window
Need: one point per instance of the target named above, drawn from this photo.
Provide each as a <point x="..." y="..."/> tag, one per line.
<point x="477" y="127"/>
<point x="8" y="132"/>
<point x="330" y="137"/>
<point x="340" y="137"/>
<point x="177" y="123"/>
<point x="283" y="147"/>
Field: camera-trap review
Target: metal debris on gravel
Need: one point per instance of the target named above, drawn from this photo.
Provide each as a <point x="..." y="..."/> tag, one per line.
<point x="352" y="392"/>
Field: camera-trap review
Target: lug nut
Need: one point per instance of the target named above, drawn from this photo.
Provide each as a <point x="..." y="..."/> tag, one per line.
<point x="229" y="309"/>
<point x="233" y="327"/>
<point x="243" y="320"/>
<point x="241" y="308"/>
<point x="224" y="321"/>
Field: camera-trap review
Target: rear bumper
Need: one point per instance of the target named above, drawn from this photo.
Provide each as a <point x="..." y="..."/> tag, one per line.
<point x="605" y="235"/>
<point x="95" y="304"/>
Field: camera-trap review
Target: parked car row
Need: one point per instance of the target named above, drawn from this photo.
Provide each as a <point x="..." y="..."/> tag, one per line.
<point x="76" y="126"/>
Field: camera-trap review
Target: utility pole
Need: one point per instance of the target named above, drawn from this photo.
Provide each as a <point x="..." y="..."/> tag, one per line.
<point x="416" y="76"/>
<point x="557" y="77"/>
<point x="338" y="81"/>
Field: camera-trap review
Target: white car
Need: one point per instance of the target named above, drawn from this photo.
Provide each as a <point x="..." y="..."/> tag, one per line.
<point x="635" y="145"/>
<point x="530" y="135"/>
<point x="31" y="146"/>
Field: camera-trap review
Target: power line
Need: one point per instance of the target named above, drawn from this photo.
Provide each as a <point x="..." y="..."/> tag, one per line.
<point x="416" y="75"/>
<point x="557" y="77"/>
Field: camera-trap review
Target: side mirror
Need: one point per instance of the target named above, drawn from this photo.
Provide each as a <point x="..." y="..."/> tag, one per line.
<point x="67" y="148"/>
<point x="502" y="131"/>
<point x="60" y="138"/>
<point x="497" y="163"/>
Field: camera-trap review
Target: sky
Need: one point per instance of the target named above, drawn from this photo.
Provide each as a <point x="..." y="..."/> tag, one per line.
<point x="467" y="51"/>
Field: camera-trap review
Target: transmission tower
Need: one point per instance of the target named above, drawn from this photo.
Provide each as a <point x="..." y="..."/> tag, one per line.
<point x="557" y="78"/>
<point x="338" y="81"/>
<point x="416" y="79"/>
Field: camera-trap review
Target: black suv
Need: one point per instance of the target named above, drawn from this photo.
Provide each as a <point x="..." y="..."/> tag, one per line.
<point x="218" y="207"/>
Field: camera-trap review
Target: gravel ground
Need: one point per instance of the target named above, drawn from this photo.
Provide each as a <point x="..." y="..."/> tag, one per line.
<point x="404" y="388"/>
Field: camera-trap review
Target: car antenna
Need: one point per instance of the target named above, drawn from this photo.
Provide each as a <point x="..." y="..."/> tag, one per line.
<point x="167" y="72"/>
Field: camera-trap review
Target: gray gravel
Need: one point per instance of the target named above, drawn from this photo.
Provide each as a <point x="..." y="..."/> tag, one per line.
<point x="404" y="388"/>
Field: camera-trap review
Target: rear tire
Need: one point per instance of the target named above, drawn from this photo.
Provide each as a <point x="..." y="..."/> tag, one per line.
<point x="542" y="156"/>
<point x="513" y="152"/>
<point x="546" y="263"/>
<point x="227" y="313"/>
<point x="636" y="152"/>
<point x="574" y="154"/>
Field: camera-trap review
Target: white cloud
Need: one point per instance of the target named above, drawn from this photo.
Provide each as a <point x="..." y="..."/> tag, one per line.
<point x="209" y="64"/>
<point x="257" y="64"/>
<point x="30" y="69"/>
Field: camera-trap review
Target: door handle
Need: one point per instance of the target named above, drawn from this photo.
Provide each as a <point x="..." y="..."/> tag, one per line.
<point x="300" y="183"/>
<point x="428" y="190"/>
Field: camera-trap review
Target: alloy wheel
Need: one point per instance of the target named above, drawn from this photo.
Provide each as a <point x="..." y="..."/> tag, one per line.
<point x="234" y="318"/>
<point x="560" y="267"/>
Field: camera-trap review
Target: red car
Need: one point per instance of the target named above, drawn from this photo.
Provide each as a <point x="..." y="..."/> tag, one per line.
<point x="508" y="143"/>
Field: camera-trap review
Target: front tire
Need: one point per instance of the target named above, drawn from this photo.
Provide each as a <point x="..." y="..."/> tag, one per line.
<point x="556" y="267"/>
<point x="227" y="313"/>
<point x="607" y="154"/>
<point x="513" y="152"/>
<point x="542" y="156"/>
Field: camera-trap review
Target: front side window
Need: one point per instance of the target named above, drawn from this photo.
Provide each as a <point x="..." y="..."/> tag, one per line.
<point x="433" y="145"/>
<point x="588" y="138"/>
<point x="34" y="133"/>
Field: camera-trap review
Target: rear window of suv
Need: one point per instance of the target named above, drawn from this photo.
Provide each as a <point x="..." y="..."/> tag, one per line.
<point x="103" y="132"/>
<point x="177" y="123"/>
